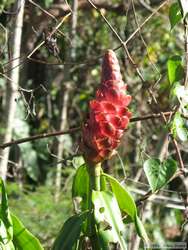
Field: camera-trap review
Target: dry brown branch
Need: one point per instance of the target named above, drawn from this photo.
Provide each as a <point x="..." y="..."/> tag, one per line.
<point x="73" y="130"/>
<point x="186" y="52"/>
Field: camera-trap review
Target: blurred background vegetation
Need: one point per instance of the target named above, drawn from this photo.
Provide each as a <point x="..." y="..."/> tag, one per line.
<point x="62" y="76"/>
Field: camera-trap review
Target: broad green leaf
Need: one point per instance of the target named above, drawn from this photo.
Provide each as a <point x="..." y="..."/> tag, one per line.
<point x="141" y="230"/>
<point x="175" y="15"/>
<point x="175" y="69"/>
<point x="108" y="218"/>
<point x="5" y="213"/>
<point x="159" y="173"/>
<point x="184" y="6"/>
<point x="80" y="187"/>
<point x="22" y="238"/>
<point x="8" y="246"/>
<point x="124" y="198"/>
<point x="70" y="232"/>
<point x="3" y="233"/>
<point x="127" y="204"/>
<point x="178" y="127"/>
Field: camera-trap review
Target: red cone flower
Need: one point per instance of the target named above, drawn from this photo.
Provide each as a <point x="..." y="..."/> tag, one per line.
<point x="108" y="115"/>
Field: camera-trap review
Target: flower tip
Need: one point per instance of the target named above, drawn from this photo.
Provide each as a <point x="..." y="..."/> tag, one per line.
<point x="110" y="67"/>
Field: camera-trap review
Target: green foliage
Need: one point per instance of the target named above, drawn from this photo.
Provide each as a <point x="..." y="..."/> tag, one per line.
<point x="70" y="232"/>
<point x="5" y="4"/>
<point x="110" y="224"/>
<point x="124" y="199"/>
<point x="178" y="127"/>
<point x="80" y="187"/>
<point x="22" y="238"/>
<point x="46" y="3"/>
<point x="175" y="15"/>
<point x="5" y="219"/>
<point x="159" y="173"/>
<point x="175" y="69"/>
<point x="181" y="93"/>
<point x="13" y="235"/>
<point x="127" y="205"/>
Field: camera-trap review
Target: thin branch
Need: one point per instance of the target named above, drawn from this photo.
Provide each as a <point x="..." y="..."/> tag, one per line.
<point x="166" y="201"/>
<point x="71" y="131"/>
<point x="186" y="52"/>
<point x="142" y="25"/>
<point x="43" y="10"/>
<point x="40" y="136"/>
<point x="51" y="34"/>
<point x="178" y="153"/>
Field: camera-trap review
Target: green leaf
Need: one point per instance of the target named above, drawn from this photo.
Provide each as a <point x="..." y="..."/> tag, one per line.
<point x="178" y="127"/>
<point x="70" y="232"/>
<point x="3" y="233"/>
<point x="175" y="69"/>
<point x="127" y="204"/>
<point x="5" y="213"/>
<point x="108" y="218"/>
<point x="184" y="7"/>
<point x="80" y="187"/>
<point x="175" y="15"/>
<point x="159" y="173"/>
<point x="22" y="238"/>
<point x="124" y="198"/>
<point x="181" y="93"/>
<point x="141" y="230"/>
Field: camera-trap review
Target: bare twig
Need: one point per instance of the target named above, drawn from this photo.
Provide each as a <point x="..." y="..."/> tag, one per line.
<point x="43" y="10"/>
<point x="51" y="34"/>
<point x="70" y="131"/>
<point x="40" y="136"/>
<point x="186" y="52"/>
<point x="142" y="25"/>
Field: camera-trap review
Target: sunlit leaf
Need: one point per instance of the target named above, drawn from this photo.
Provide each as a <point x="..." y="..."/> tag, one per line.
<point x="22" y="238"/>
<point x="127" y="205"/>
<point x="108" y="218"/>
<point x="178" y="127"/>
<point x="124" y="198"/>
<point x="5" y="213"/>
<point x="182" y="94"/>
<point x="80" y="187"/>
<point x="175" y="69"/>
<point x="141" y="230"/>
<point x="159" y="173"/>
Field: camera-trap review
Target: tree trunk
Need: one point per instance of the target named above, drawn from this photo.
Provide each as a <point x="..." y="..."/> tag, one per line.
<point x="13" y="83"/>
<point x="66" y="90"/>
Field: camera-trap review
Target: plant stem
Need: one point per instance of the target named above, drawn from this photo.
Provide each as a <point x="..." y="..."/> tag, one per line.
<point x="95" y="173"/>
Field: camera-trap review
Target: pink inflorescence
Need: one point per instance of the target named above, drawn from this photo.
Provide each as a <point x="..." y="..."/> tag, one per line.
<point x="109" y="116"/>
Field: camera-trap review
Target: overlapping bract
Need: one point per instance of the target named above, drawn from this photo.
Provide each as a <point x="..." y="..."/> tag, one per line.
<point x="108" y="115"/>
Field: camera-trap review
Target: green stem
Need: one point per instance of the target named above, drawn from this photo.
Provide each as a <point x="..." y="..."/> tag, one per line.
<point x="95" y="174"/>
